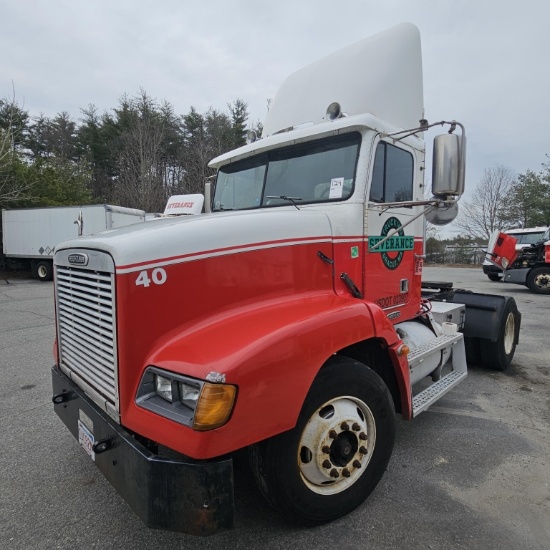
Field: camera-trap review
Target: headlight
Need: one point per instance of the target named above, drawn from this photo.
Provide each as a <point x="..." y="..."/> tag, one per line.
<point x="195" y="403"/>
<point x="163" y="387"/>
<point x="189" y="394"/>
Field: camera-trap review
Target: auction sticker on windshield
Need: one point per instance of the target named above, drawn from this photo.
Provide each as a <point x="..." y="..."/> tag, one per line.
<point x="336" y="188"/>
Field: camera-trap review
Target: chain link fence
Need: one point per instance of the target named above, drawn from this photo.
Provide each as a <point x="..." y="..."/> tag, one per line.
<point x="461" y="255"/>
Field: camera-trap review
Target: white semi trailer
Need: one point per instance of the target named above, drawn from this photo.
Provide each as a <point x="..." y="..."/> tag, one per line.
<point x="29" y="235"/>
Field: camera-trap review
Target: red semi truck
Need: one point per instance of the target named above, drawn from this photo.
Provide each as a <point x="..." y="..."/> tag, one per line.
<point x="290" y="319"/>
<point x="524" y="265"/>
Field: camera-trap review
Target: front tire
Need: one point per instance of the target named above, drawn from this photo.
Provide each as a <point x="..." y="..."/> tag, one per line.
<point x="493" y="277"/>
<point x="335" y="456"/>
<point x="538" y="280"/>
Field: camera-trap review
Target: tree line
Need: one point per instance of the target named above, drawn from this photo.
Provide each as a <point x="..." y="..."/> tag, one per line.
<point x="503" y="200"/>
<point x="141" y="152"/>
<point x="136" y="155"/>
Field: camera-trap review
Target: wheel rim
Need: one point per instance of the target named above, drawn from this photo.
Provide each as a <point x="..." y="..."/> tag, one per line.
<point x="336" y="445"/>
<point x="509" y="333"/>
<point x="42" y="272"/>
<point x="542" y="281"/>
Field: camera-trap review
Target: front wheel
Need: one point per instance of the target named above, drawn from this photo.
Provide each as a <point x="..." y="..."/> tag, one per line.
<point x="538" y="280"/>
<point x="493" y="277"/>
<point x="335" y="456"/>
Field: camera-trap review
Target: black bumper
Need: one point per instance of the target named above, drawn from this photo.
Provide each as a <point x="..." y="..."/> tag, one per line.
<point x="191" y="497"/>
<point x="491" y="269"/>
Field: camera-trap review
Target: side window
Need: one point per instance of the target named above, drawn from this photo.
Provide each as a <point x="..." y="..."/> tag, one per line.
<point x="392" y="174"/>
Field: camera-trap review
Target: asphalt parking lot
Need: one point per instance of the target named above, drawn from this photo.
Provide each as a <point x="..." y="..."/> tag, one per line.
<point x="473" y="472"/>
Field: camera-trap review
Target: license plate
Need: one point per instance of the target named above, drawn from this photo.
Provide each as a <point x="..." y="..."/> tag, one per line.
<point x="86" y="439"/>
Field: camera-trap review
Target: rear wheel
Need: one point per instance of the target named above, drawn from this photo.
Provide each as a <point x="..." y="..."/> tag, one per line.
<point x="498" y="355"/>
<point x="493" y="277"/>
<point x="538" y="280"/>
<point x="44" y="270"/>
<point x="335" y="456"/>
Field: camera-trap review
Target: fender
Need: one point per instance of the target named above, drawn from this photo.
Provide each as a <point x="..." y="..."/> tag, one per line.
<point x="272" y="352"/>
<point x="484" y="314"/>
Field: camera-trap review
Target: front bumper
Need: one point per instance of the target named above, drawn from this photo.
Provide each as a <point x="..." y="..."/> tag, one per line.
<point x="491" y="269"/>
<point x="191" y="497"/>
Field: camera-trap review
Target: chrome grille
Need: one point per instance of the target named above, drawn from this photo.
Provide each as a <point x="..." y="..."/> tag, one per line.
<point x="87" y="331"/>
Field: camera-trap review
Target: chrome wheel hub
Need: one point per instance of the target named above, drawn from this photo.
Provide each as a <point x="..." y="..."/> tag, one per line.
<point x="336" y="445"/>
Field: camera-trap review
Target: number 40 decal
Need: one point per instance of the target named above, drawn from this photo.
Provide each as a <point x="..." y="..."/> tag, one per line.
<point x="158" y="277"/>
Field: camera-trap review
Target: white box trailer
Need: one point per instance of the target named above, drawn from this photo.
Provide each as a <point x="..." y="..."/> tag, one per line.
<point x="29" y="235"/>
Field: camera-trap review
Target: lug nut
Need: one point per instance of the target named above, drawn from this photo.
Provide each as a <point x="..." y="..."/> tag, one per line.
<point x="363" y="450"/>
<point x="363" y="436"/>
<point x="327" y="464"/>
<point x="326" y="449"/>
<point x="355" y="427"/>
<point x="356" y="464"/>
<point x="345" y="472"/>
<point x="334" y="473"/>
<point x="344" y="426"/>
<point x="332" y="434"/>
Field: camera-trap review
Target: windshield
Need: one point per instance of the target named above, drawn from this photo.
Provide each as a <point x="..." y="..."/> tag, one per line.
<point x="319" y="171"/>
<point x="528" y="238"/>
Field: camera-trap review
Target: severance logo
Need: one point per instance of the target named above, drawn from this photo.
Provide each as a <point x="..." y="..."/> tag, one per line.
<point x="396" y="243"/>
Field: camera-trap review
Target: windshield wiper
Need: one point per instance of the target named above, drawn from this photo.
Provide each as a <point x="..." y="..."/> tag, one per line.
<point x="285" y="198"/>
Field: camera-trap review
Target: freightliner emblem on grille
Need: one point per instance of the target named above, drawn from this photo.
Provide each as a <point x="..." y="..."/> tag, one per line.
<point x="78" y="259"/>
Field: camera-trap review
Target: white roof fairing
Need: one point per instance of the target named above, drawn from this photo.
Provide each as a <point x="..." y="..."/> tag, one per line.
<point x="381" y="75"/>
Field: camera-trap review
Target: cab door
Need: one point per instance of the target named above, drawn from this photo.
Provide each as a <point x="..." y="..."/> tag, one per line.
<point x="393" y="266"/>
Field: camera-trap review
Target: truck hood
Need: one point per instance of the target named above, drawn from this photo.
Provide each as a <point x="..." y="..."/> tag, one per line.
<point x="191" y="237"/>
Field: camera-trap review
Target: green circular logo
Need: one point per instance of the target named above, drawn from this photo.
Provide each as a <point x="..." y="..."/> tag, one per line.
<point x="392" y="261"/>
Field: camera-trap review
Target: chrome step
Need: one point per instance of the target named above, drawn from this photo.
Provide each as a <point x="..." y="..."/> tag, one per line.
<point x="438" y="389"/>
<point x="418" y="354"/>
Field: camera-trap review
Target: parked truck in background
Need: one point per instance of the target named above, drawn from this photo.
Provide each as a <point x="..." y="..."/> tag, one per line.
<point x="290" y="320"/>
<point x="525" y="237"/>
<point x="29" y="235"/>
<point x="527" y="265"/>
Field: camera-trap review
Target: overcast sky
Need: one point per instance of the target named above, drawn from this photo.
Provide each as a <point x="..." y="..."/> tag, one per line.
<point x="485" y="61"/>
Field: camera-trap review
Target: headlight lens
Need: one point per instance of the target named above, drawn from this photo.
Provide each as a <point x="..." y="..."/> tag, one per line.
<point x="163" y="387"/>
<point x="189" y="395"/>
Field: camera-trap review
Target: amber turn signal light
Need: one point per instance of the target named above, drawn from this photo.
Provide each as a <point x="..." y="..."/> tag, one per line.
<point x="214" y="406"/>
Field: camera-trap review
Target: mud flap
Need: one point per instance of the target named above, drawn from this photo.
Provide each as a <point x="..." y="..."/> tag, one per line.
<point x="486" y="316"/>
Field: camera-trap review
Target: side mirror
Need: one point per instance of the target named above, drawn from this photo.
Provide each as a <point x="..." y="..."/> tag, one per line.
<point x="449" y="165"/>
